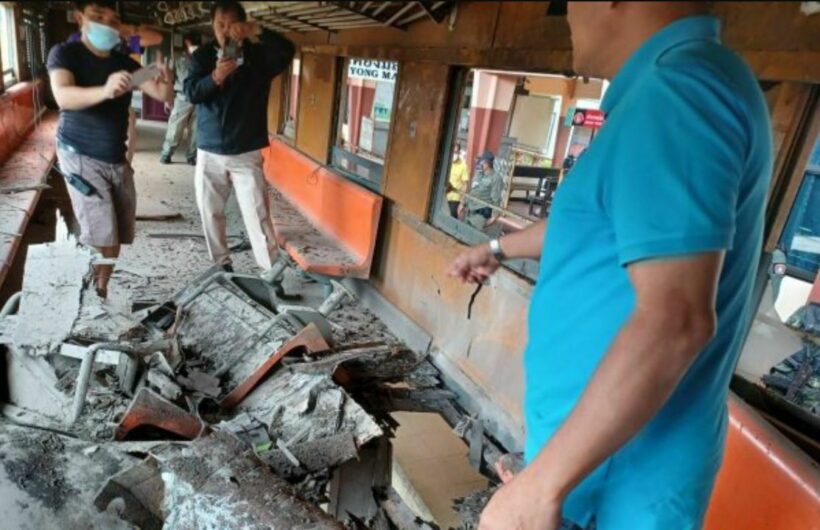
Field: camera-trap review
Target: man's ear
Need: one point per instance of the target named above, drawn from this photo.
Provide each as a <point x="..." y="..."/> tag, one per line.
<point x="78" y="18"/>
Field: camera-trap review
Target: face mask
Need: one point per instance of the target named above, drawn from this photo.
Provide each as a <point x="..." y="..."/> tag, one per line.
<point x="101" y="36"/>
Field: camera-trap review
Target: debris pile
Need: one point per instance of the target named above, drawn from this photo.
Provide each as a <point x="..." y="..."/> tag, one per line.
<point x="222" y="407"/>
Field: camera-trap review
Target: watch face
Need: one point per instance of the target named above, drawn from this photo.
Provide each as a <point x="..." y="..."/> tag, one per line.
<point x="780" y="269"/>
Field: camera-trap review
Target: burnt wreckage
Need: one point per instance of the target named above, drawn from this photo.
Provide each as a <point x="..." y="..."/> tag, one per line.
<point x="220" y="408"/>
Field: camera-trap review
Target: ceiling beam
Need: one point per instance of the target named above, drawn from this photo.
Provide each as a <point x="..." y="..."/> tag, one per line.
<point x="276" y="27"/>
<point x="287" y="25"/>
<point x="430" y="10"/>
<point x="286" y="16"/>
<point x="338" y="15"/>
<point x="381" y="8"/>
<point x="420" y="14"/>
<point x="359" y="11"/>
<point x="404" y="9"/>
<point x="304" y="9"/>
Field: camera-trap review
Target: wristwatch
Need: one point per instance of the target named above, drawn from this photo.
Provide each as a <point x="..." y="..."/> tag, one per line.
<point x="496" y="250"/>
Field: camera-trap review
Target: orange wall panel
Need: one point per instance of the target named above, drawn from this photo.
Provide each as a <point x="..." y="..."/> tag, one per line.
<point x="317" y="105"/>
<point x="765" y="483"/>
<point x="415" y="135"/>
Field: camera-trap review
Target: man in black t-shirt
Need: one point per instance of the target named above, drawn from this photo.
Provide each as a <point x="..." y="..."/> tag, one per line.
<point x="92" y="84"/>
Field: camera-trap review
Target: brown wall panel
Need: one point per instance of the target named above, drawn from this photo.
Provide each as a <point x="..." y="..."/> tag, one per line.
<point x="771" y="26"/>
<point x="526" y="25"/>
<point x="308" y="38"/>
<point x="316" y="105"/>
<point x="415" y="135"/>
<point x="276" y="103"/>
<point x="411" y="274"/>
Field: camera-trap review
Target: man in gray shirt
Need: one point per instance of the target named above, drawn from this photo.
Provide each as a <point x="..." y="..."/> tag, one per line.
<point x="183" y="115"/>
<point x="488" y="187"/>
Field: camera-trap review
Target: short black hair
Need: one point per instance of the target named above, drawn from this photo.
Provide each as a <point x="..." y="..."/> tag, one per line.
<point x="227" y="6"/>
<point x="110" y="4"/>
<point x="193" y="37"/>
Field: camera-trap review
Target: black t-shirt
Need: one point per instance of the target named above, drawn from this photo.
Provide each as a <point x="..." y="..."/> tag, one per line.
<point x="99" y="131"/>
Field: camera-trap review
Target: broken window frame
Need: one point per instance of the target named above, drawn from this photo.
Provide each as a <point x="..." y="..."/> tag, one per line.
<point x="441" y="219"/>
<point x="339" y="154"/>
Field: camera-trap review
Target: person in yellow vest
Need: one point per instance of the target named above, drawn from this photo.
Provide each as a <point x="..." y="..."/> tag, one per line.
<point x="457" y="183"/>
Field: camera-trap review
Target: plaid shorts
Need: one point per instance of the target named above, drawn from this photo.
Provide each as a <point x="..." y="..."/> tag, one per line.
<point x="103" y="197"/>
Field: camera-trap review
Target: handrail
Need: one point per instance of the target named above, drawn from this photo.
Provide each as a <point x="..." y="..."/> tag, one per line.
<point x="500" y="209"/>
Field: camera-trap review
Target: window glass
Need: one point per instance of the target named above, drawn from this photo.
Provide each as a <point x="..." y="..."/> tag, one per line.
<point x="365" y="111"/>
<point x="292" y="99"/>
<point x="800" y="240"/>
<point x="8" y="45"/>
<point x="512" y="136"/>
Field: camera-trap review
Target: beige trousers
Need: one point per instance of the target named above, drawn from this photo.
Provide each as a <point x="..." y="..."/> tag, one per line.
<point x="214" y="176"/>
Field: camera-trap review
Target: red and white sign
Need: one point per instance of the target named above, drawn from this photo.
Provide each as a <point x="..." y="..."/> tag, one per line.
<point x="594" y="119"/>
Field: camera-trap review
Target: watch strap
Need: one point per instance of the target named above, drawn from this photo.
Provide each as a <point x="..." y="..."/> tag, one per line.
<point x="496" y="250"/>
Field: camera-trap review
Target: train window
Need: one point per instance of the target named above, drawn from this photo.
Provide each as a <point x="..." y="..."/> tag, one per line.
<point x="511" y="137"/>
<point x="800" y="240"/>
<point x="8" y="45"/>
<point x="365" y="110"/>
<point x="292" y="98"/>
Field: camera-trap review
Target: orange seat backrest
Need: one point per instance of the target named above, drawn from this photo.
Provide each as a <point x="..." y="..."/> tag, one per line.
<point x="766" y="482"/>
<point x="16" y="117"/>
<point x="339" y="207"/>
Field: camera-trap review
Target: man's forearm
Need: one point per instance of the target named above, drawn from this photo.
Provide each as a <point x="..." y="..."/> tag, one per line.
<point x="527" y="243"/>
<point x="160" y="91"/>
<point x="642" y="368"/>
<point x="78" y="98"/>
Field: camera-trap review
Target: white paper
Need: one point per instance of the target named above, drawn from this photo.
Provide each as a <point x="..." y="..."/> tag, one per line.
<point x="144" y="74"/>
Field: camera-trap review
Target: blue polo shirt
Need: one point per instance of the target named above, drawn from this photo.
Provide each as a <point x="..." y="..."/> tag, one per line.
<point x="681" y="166"/>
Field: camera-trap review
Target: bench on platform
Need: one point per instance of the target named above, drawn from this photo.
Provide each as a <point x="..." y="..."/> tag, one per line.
<point x="27" y="153"/>
<point x="326" y="223"/>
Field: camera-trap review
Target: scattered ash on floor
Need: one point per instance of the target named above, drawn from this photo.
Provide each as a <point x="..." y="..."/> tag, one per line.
<point x="357" y="324"/>
<point x="40" y="469"/>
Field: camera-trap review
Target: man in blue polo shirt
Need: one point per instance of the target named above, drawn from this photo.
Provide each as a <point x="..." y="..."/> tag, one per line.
<point x="647" y="268"/>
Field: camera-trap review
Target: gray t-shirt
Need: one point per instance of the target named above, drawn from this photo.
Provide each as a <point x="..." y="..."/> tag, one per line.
<point x="182" y="65"/>
<point x="488" y="187"/>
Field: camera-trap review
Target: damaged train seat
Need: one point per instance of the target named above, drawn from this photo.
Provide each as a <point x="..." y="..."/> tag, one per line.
<point x="27" y="154"/>
<point x="326" y="225"/>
